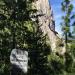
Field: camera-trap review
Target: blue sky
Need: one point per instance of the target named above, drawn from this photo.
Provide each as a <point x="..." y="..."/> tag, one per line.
<point x="56" y="6"/>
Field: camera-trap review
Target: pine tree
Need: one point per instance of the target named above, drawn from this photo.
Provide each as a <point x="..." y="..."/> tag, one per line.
<point x="15" y="24"/>
<point x="67" y="8"/>
<point x="38" y="52"/>
<point x="19" y="31"/>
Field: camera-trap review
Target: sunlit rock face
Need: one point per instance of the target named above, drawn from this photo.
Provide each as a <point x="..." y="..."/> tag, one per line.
<point x="47" y="25"/>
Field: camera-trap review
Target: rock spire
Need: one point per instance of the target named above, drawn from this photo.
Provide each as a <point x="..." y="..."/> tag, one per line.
<point x="47" y="25"/>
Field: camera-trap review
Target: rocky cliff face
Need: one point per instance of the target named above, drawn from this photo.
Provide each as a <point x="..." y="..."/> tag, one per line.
<point x="47" y="25"/>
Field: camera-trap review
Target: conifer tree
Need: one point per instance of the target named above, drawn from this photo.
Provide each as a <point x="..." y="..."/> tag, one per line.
<point x="67" y="24"/>
<point x="19" y="31"/>
<point x="15" y="24"/>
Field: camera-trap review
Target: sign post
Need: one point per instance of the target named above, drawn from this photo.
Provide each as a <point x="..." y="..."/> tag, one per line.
<point x="19" y="61"/>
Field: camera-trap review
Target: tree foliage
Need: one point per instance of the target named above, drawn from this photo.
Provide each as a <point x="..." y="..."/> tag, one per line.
<point x="15" y="26"/>
<point x="67" y="23"/>
<point x="18" y="31"/>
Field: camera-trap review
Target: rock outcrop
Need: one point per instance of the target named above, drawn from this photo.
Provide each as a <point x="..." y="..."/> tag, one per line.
<point x="47" y="25"/>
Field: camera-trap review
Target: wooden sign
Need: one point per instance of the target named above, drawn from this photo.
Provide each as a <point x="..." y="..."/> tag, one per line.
<point x="19" y="58"/>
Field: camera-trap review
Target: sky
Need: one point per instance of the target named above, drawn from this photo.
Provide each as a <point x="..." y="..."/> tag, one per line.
<point x="56" y="6"/>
